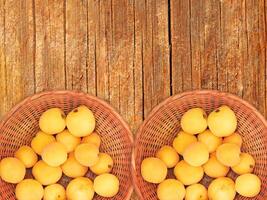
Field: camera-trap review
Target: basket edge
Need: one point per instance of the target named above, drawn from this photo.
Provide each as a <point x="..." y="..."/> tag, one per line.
<point x="72" y="92"/>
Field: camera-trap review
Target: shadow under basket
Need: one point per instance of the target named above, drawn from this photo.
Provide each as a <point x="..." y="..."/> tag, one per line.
<point x="163" y="124"/>
<point x="20" y="125"/>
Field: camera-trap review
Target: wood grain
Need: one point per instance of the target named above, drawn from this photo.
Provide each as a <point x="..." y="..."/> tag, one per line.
<point x="92" y="24"/>
<point x="3" y="87"/>
<point x="76" y="45"/>
<point x="181" y="46"/>
<point x="103" y="46"/>
<point x="18" y="51"/>
<point x="49" y="45"/>
<point x="233" y="45"/>
<point x="133" y="53"/>
<point x="138" y="64"/>
<point x="156" y="57"/>
<point x="121" y="65"/>
<point x="256" y="34"/>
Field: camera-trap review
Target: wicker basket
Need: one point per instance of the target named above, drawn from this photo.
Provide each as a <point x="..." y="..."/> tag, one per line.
<point x="21" y="124"/>
<point x="163" y="123"/>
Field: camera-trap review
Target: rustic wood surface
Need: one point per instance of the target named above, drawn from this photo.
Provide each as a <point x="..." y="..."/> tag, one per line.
<point x="133" y="53"/>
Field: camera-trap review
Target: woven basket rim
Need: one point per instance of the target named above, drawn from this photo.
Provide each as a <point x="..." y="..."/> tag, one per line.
<point x="167" y="101"/>
<point x="6" y="117"/>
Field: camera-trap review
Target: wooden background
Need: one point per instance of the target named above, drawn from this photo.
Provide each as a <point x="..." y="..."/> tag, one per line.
<point x="133" y="53"/>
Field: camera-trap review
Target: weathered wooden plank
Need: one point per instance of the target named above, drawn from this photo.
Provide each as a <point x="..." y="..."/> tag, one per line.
<point x="156" y="54"/>
<point x="211" y="40"/>
<point x="122" y="60"/>
<point x="115" y="50"/>
<point x="181" y="45"/>
<point x="204" y="36"/>
<point x="254" y="72"/>
<point x="260" y="57"/>
<point x="103" y="43"/>
<point x="265" y="14"/>
<point x="92" y="24"/>
<point x="18" y="51"/>
<point x="3" y="87"/>
<point x="222" y="70"/>
<point x="76" y="45"/>
<point x="233" y="47"/>
<point x="49" y="55"/>
<point x="197" y="23"/>
<point x="161" y="51"/>
<point x="138" y="64"/>
<point x="147" y="50"/>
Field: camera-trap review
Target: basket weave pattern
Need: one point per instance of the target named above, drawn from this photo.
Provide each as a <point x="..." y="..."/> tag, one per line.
<point x="163" y="124"/>
<point x="21" y="124"/>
